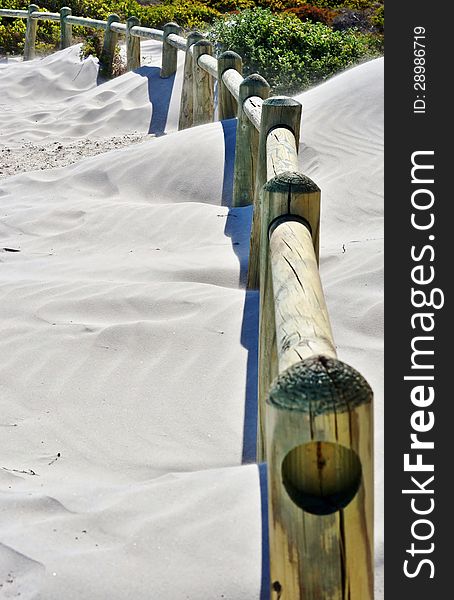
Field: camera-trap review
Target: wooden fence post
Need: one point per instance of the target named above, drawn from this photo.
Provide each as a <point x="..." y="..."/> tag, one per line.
<point x="278" y="111"/>
<point x="187" y="92"/>
<point x="132" y="45"/>
<point x="109" y="46"/>
<point x="287" y="194"/>
<point x="66" y="29"/>
<point x="320" y="482"/>
<point x="247" y="140"/>
<point x="227" y="105"/>
<point x="30" y="33"/>
<point x="169" y="53"/>
<point x="203" y="88"/>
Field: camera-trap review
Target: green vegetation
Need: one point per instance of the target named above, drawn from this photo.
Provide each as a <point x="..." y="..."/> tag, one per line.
<point x="293" y="43"/>
<point x="291" y="54"/>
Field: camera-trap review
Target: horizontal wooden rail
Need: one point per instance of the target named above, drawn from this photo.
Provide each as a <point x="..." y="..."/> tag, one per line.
<point x="118" y="27"/>
<point x="253" y="110"/>
<point x="209" y="64"/>
<point x="85" y="22"/>
<point x="281" y="152"/>
<point x="303" y="328"/>
<point x="147" y="33"/>
<point x="13" y="14"/>
<point x="232" y="80"/>
<point x="45" y="16"/>
<point x="176" y="41"/>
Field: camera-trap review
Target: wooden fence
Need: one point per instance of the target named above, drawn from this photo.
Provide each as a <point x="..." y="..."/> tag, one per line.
<point x="315" y="412"/>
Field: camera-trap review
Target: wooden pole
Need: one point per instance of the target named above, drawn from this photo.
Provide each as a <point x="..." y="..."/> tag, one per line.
<point x="247" y="140"/>
<point x="203" y="88"/>
<point x="186" y="102"/>
<point x="227" y="104"/>
<point x="288" y="194"/>
<point x="66" y="30"/>
<point x="320" y="482"/>
<point x="109" y="46"/>
<point x="278" y="111"/>
<point x="132" y="45"/>
<point x="30" y="33"/>
<point x="169" y="53"/>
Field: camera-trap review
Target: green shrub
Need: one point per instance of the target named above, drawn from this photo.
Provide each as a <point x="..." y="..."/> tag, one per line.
<point x="187" y="13"/>
<point x="12" y="35"/>
<point x="291" y="54"/>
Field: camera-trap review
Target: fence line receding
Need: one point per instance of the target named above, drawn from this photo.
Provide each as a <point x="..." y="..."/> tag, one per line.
<point x="315" y="426"/>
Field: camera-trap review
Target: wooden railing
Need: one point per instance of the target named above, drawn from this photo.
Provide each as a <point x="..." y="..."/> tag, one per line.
<point x="315" y="427"/>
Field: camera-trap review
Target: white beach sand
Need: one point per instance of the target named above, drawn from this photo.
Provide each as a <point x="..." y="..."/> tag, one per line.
<point x="127" y="379"/>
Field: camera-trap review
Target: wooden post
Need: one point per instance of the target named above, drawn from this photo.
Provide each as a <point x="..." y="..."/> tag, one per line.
<point x="227" y="104"/>
<point x="320" y="482"/>
<point x="203" y="88"/>
<point x="66" y="30"/>
<point x="288" y="194"/>
<point x="30" y="33"/>
<point x="109" y="46"/>
<point x="169" y="53"/>
<point x="186" y="102"/>
<point x="247" y="140"/>
<point x="132" y="45"/>
<point x="278" y="111"/>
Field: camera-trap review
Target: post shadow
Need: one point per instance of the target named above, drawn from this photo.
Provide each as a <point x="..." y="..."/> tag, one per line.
<point x="265" y="581"/>
<point x="160" y="94"/>
<point x="238" y="228"/>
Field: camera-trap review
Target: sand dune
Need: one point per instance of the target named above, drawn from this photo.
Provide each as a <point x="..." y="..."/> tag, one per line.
<point x="128" y="370"/>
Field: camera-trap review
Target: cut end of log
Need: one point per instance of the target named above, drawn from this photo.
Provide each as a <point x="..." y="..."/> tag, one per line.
<point x="319" y="385"/>
<point x="300" y="183"/>
<point x="256" y="80"/>
<point x="171" y="26"/>
<point x="230" y="55"/>
<point x="203" y="43"/>
<point x="281" y="101"/>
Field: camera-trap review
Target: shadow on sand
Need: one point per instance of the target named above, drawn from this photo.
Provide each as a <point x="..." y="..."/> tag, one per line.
<point x="159" y="94"/>
<point x="237" y="228"/>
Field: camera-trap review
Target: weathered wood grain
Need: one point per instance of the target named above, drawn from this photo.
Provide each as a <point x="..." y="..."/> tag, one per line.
<point x="11" y="13"/>
<point x="228" y="103"/>
<point x="282" y="152"/>
<point x="118" y="27"/>
<point x="169" y="52"/>
<point x="232" y="80"/>
<point x="177" y="41"/>
<point x="187" y="92"/>
<point x="30" y="33"/>
<point x="45" y="16"/>
<point x="247" y="139"/>
<point x="320" y="482"/>
<point x="209" y="64"/>
<point x="66" y="29"/>
<point x="203" y="88"/>
<point x="278" y="111"/>
<point x="108" y="48"/>
<point x="86" y="22"/>
<point x="288" y="194"/>
<point x="132" y="45"/>
<point x="147" y="33"/>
